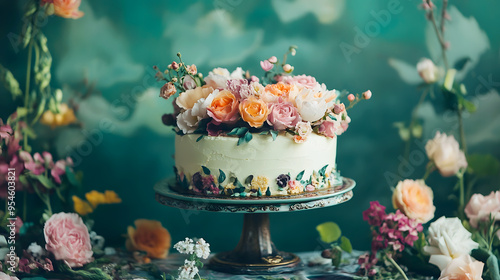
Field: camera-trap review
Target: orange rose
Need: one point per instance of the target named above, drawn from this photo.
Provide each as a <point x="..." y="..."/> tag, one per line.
<point x="149" y="236"/>
<point x="414" y="199"/>
<point x="66" y="8"/>
<point x="224" y="107"/>
<point x="254" y="111"/>
<point x="279" y="89"/>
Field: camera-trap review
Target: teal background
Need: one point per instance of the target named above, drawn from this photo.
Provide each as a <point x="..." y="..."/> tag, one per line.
<point x="121" y="144"/>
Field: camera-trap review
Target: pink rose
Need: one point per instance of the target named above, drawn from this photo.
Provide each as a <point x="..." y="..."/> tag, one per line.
<point x="463" y="268"/>
<point x="294" y="187"/>
<point x="480" y="207"/>
<point x="310" y="188"/>
<point x="303" y="80"/>
<point x="283" y="115"/>
<point x="68" y="239"/>
<point x="330" y="128"/>
<point x="66" y="8"/>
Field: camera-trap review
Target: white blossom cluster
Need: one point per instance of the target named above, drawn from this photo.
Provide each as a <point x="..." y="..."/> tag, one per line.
<point x="188" y="271"/>
<point x="201" y="248"/>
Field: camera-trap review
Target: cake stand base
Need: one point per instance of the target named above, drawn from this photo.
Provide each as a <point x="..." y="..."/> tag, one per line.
<point x="255" y="253"/>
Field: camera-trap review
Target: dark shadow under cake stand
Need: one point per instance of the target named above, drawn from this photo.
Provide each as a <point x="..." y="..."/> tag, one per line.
<point x="255" y="252"/>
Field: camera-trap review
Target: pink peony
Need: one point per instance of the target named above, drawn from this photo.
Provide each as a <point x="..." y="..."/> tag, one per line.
<point x="481" y="207"/>
<point x="330" y="129"/>
<point x="283" y="115"/>
<point x="303" y="80"/>
<point x="68" y="239"/>
<point x="463" y="268"/>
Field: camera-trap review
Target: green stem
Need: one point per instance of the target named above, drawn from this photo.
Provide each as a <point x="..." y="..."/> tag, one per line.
<point x="461" y="201"/>
<point x="461" y="130"/>
<point x="397" y="266"/>
<point x="440" y="37"/>
<point x="412" y="122"/>
<point x="428" y="170"/>
<point x="27" y="89"/>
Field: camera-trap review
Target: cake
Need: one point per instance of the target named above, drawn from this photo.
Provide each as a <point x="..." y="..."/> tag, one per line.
<point x="241" y="136"/>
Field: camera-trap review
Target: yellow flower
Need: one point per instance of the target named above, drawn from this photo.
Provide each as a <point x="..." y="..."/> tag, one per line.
<point x="65" y="116"/>
<point x="260" y="182"/>
<point x="108" y="197"/>
<point x="149" y="236"/>
<point x="82" y="207"/>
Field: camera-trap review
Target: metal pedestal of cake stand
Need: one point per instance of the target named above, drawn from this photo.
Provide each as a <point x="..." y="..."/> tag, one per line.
<point x="255" y="252"/>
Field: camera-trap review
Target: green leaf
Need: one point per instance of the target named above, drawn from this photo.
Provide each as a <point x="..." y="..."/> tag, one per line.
<point x="9" y="82"/>
<point x="300" y="175"/>
<point x="222" y="176"/>
<point x="323" y="170"/>
<point x="71" y="177"/>
<point x="469" y="106"/>
<point x="46" y="182"/>
<point x="234" y="131"/>
<point x="483" y="164"/>
<point x="205" y="170"/>
<point x="345" y="244"/>
<point x="199" y="138"/>
<point x="248" y="180"/>
<point x="40" y="110"/>
<point x="21" y="112"/>
<point x="265" y="132"/>
<point x="492" y="264"/>
<point x="274" y="134"/>
<point x="329" y="232"/>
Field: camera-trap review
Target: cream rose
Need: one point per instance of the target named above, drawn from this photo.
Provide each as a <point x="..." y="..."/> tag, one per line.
<point x="414" y="199"/>
<point x="448" y="240"/>
<point x="187" y="99"/>
<point x="463" y="268"/>
<point x="445" y="152"/>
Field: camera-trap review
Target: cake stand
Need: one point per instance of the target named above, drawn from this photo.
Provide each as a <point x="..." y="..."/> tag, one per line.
<point x="255" y="252"/>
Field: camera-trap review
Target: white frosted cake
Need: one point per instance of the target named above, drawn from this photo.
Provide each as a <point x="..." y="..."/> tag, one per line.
<point x="262" y="167"/>
<point x="243" y="136"/>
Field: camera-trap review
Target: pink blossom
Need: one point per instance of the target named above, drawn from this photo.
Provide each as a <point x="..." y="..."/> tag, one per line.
<point x="67" y="237"/>
<point x="188" y="82"/>
<point x="15" y="163"/>
<point x="47" y="157"/>
<point x="235" y="86"/>
<point x="35" y="165"/>
<point x="58" y="170"/>
<point x="5" y="131"/>
<point x="367" y="94"/>
<point x="283" y="115"/>
<point x="375" y="214"/>
<point x="310" y="188"/>
<point x="338" y="108"/>
<point x="329" y="128"/>
<point x="266" y="65"/>
<point x="351" y="97"/>
<point x="272" y="59"/>
<point x="303" y="80"/>
<point x="254" y="79"/>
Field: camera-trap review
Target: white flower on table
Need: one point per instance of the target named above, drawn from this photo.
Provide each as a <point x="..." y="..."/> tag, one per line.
<point x="35" y="250"/>
<point x="202" y="249"/>
<point x="188" y="271"/>
<point x="185" y="247"/>
<point x="448" y="240"/>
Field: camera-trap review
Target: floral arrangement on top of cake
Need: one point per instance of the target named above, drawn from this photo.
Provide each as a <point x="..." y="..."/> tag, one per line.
<point x="240" y="104"/>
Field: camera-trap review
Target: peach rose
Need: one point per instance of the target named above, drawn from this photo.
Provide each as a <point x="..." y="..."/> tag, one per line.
<point x="463" y="268"/>
<point x="280" y="89"/>
<point x="224" y="107"/>
<point x="254" y="111"/>
<point x="67" y="237"/>
<point x="66" y="8"/>
<point x="149" y="236"/>
<point x="414" y="199"/>
<point x="481" y="207"/>
<point x="187" y="99"/>
<point x="445" y="152"/>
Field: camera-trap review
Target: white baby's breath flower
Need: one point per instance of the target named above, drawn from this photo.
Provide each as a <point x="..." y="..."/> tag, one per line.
<point x="35" y="250"/>
<point x="188" y="271"/>
<point x="202" y="249"/>
<point x="185" y="247"/>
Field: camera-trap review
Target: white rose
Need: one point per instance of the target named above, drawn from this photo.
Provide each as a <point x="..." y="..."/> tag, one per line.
<point x="445" y="152"/>
<point x="238" y="73"/>
<point x="187" y="122"/>
<point x="217" y="78"/>
<point x="312" y="105"/>
<point x="187" y="99"/>
<point x="200" y="107"/>
<point x="427" y="70"/>
<point x="448" y="239"/>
